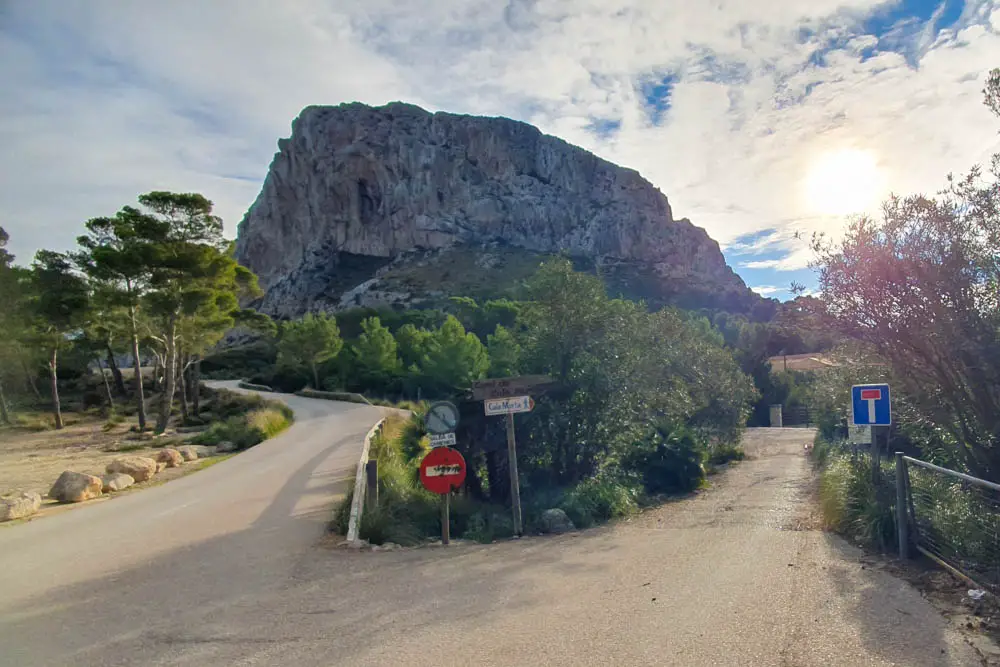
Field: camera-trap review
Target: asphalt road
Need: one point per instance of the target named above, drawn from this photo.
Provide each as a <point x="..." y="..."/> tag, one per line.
<point x="733" y="576"/>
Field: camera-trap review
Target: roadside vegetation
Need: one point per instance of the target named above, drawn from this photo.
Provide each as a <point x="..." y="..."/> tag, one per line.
<point x="640" y="403"/>
<point x="914" y="297"/>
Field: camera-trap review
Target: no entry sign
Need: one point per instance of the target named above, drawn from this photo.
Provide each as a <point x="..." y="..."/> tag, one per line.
<point x="442" y="470"/>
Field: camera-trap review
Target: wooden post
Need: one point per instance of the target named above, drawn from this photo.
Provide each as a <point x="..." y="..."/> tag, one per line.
<point x="901" y="506"/>
<point x="515" y="484"/>
<point x="371" y="471"/>
<point x="446" y="519"/>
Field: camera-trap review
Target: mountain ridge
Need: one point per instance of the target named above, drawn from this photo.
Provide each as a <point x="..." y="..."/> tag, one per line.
<point x="356" y="188"/>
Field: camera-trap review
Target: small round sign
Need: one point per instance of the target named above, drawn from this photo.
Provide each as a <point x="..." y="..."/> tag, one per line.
<point x="442" y="470"/>
<point x="441" y="417"/>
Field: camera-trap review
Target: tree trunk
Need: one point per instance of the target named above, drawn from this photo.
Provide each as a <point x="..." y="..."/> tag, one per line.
<point x="315" y="377"/>
<point x="4" y="414"/>
<point x="182" y="381"/>
<point x="158" y="373"/>
<point x="116" y="373"/>
<point x="196" y="386"/>
<point x="54" y="379"/>
<point x="107" y="387"/>
<point x="169" y="377"/>
<point x="137" y="365"/>
<point x="31" y="379"/>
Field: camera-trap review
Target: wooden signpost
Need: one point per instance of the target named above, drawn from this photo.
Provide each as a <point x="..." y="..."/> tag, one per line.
<point x="506" y="396"/>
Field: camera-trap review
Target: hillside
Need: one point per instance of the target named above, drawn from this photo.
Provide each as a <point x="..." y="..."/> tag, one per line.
<point x="395" y="205"/>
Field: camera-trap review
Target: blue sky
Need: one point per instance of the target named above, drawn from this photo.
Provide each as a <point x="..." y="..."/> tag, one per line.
<point x="762" y="122"/>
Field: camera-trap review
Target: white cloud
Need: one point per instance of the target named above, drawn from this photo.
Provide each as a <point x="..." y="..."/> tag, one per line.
<point x="118" y="98"/>
<point x="769" y="290"/>
<point x="762" y="264"/>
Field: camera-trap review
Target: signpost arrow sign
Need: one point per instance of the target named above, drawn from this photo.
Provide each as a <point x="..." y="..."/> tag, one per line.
<point x="483" y="390"/>
<point x="502" y="406"/>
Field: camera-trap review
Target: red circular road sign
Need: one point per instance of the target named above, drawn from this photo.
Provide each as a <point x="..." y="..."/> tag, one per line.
<point x="442" y="470"/>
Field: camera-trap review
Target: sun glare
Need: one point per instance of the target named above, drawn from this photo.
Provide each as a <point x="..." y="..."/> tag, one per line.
<point x="843" y="182"/>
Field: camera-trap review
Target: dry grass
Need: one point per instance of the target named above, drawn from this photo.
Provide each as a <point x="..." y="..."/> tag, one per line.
<point x="32" y="460"/>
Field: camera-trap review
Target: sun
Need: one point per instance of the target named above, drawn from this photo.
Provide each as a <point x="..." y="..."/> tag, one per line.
<point x="844" y="181"/>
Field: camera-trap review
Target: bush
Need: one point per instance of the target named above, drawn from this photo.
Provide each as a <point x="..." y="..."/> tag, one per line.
<point x="240" y="361"/>
<point x="725" y="453"/>
<point x="667" y="461"/>
<point x="855" y="506"/>
<point x="597" y="500"/>
<point x="282" y="378"/>
<point x="244" y="420"/>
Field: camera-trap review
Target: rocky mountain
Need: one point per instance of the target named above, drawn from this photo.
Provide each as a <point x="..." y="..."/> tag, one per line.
<point x="373" y="205"/>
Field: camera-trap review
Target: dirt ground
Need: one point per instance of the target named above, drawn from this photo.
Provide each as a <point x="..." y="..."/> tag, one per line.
<point x="33" y="460"/>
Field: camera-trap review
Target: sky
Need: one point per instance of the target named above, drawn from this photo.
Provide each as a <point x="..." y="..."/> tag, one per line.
<point x="763" y="122"/>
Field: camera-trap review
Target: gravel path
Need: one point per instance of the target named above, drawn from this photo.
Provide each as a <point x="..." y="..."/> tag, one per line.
<point x="732" y="576"/>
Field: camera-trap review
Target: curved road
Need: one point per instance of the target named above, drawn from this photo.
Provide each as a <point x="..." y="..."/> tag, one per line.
<point x="76" y="584"/>
<point x="220" y="569"/>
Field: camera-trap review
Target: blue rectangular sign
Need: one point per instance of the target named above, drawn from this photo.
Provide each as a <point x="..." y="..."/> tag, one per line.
<point x="870" y="405"/>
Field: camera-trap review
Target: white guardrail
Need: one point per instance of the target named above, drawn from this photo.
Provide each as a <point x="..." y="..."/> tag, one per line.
<point x="360" y="486"/>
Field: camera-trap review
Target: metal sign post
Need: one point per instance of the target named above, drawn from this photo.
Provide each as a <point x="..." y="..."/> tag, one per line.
<point x="442" y="471"/>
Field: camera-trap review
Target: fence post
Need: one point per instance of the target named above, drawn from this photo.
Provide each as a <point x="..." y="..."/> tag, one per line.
<point x="902" y="525"/>
<point x="371" y="471"/>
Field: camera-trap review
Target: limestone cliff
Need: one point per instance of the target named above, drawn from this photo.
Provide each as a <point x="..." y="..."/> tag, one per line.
<point x="357" y="190"/>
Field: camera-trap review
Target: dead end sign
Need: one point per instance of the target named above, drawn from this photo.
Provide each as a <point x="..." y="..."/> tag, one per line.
<point x="442" y="470"/>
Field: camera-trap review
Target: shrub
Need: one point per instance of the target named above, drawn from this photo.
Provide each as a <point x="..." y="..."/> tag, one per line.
<point x="245" y="420"/>
<point x="240" y="361"/>
<point x="856" y="506"/>
<point x="596" y="500"/>
<point x="725" y="453"/>
<point x="667" y="461"/>
<point x="282" y="378"/>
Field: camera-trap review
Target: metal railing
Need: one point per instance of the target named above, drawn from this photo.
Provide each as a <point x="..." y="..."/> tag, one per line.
<point x="950" y="517"/>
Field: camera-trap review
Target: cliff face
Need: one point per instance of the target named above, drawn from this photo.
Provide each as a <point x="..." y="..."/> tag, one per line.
<point x="357" y="187"/>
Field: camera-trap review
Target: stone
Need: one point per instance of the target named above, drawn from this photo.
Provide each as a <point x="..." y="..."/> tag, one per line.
<point x="140" y="468"/>
<point x="75" y="487"/>
<point x="556" y="521"/>
<point x="116" y="481"/>
<point x="225" y="447"/>
<point x="203" y="451"/>
<point x="188" y="452"/>
<point x="170" y="456"/>
<point x="356" y="189"/>
<point x="161" y="466"/>
<point x="19" y="505"/>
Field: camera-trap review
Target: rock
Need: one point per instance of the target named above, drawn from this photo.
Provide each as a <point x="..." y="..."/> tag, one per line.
<point x="225" y="447"/>
<point x="75" y="487"/>
<point x="203" y="451"/>
<point x="170" y="456"/>
<point x="356" y="188"/>
<point x="140" y="468"/>
<point x="556" y="521"/>
<point x="19" y="504"/>
<point x="161" y="466"/>
<point x="116" y="481"/>
<point x="188" y="452"/>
